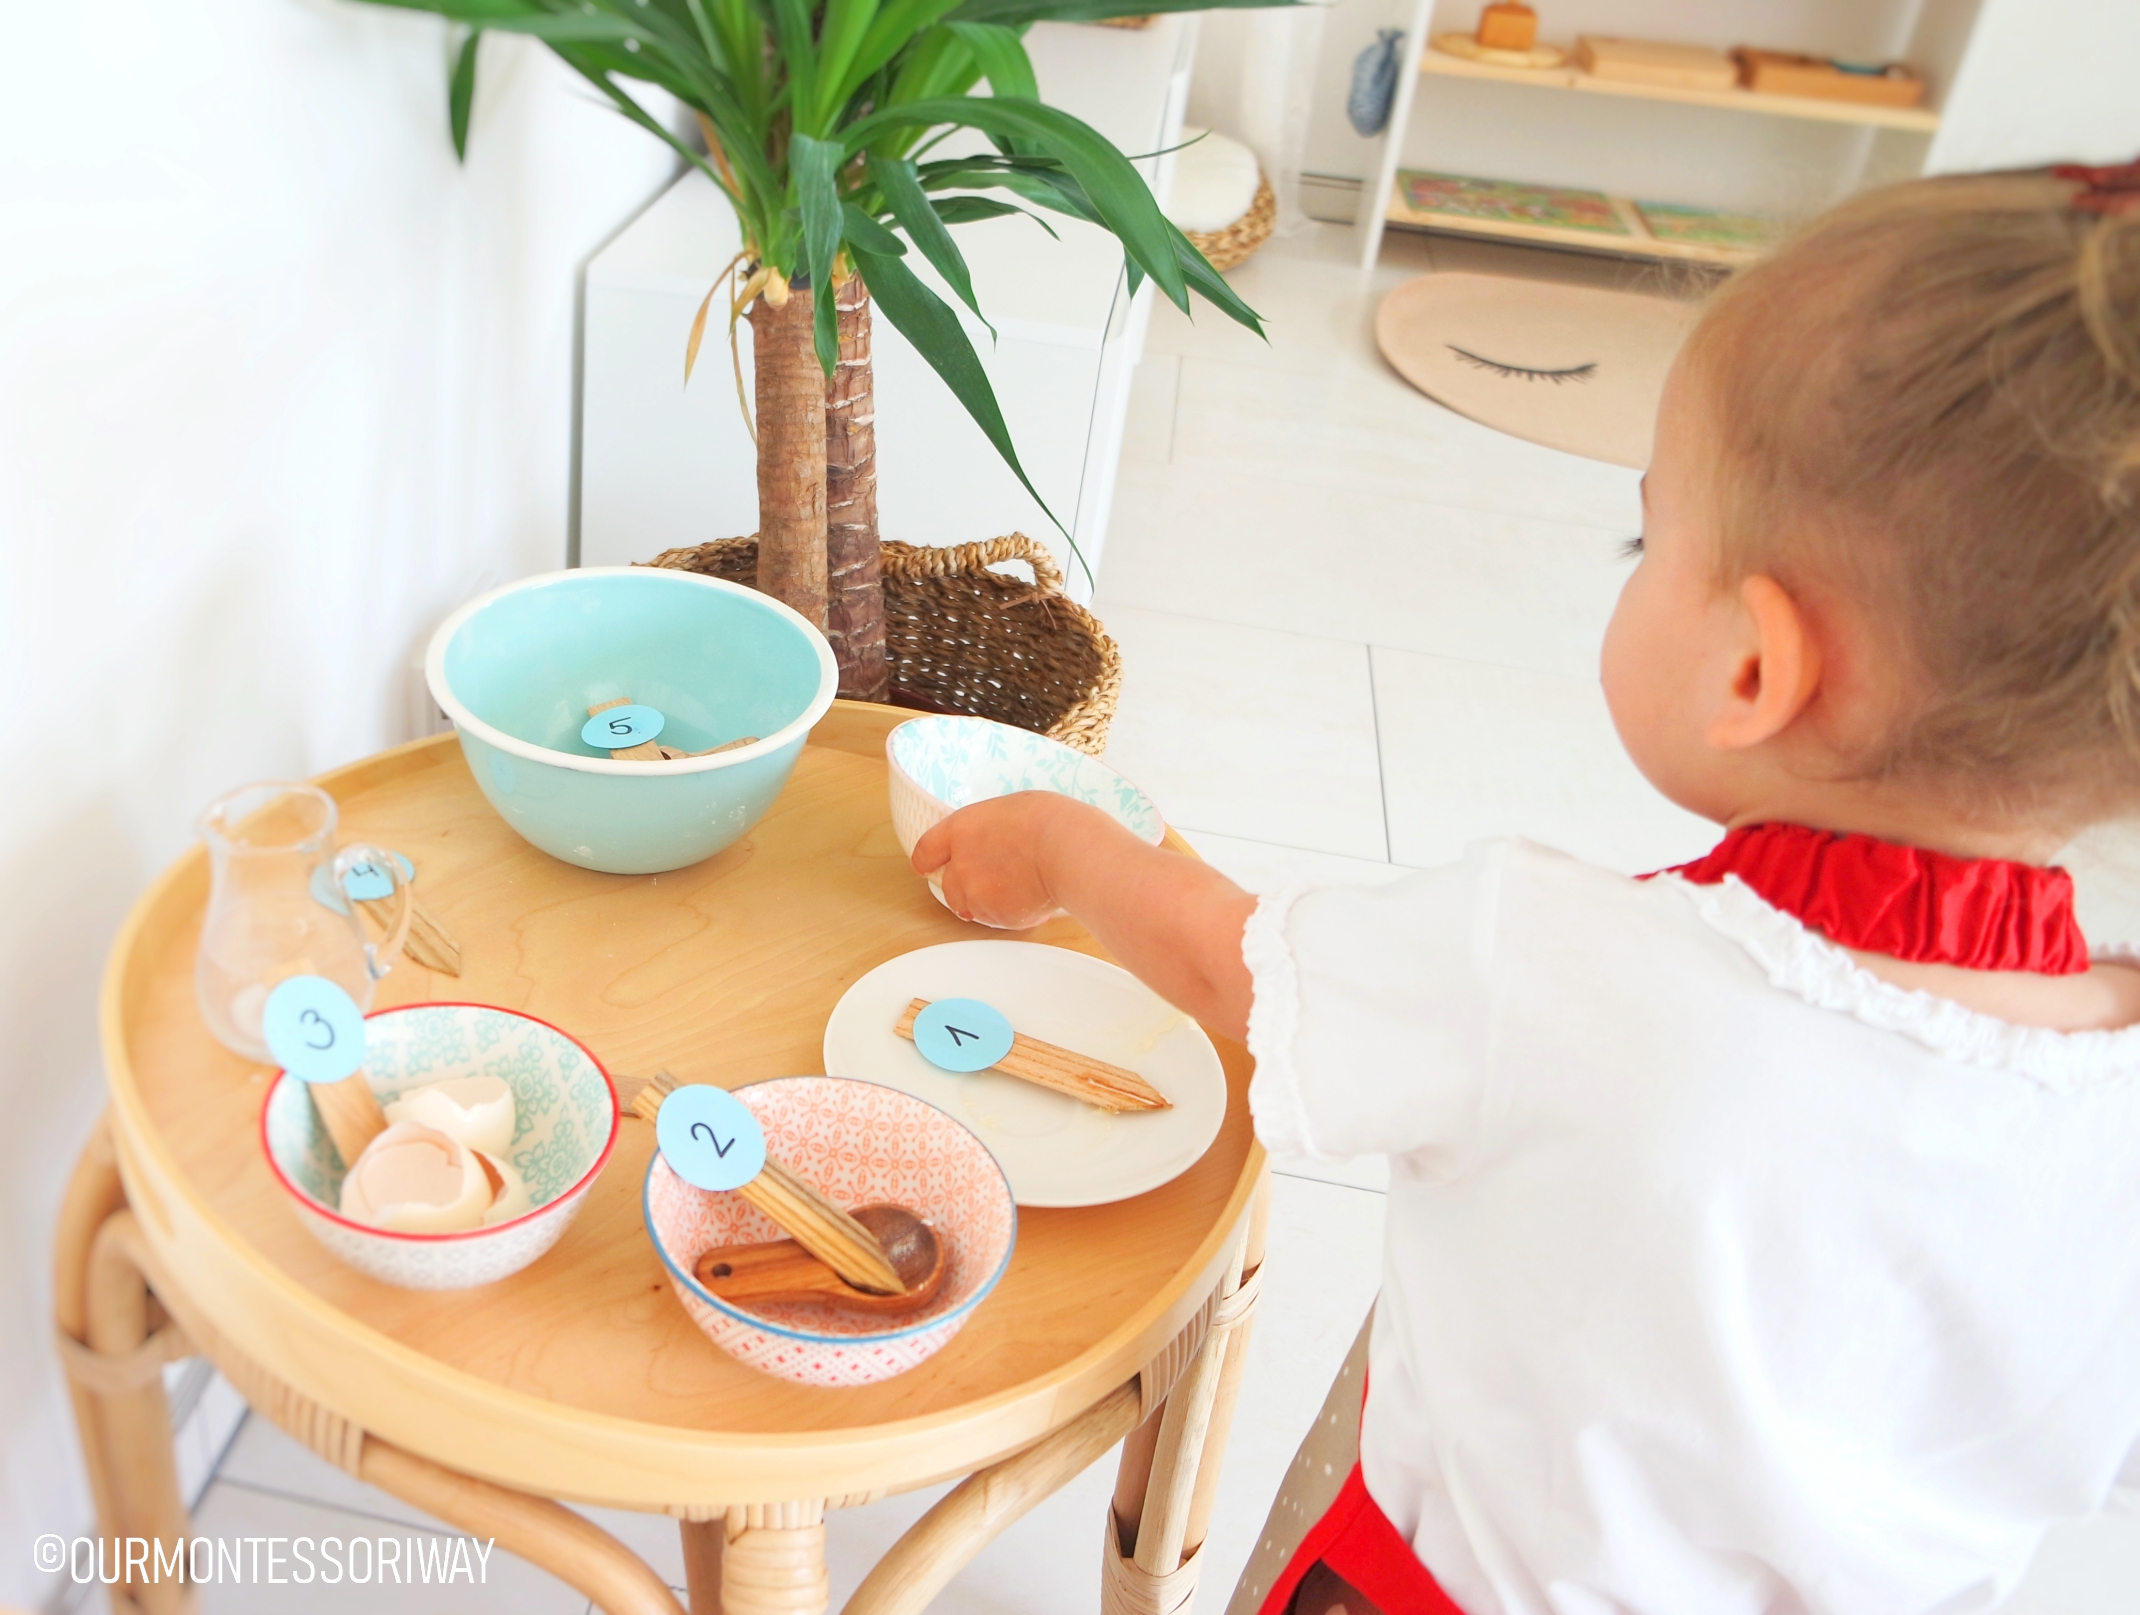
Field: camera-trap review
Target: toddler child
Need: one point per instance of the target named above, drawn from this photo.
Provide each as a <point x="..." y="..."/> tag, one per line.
<point x="1763" y="1236"/>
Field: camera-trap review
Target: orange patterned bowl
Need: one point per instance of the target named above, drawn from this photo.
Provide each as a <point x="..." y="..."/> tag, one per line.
<point x="860" y="1144"/>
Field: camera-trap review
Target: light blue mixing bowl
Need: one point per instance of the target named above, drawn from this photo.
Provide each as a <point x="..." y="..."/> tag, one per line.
<point x="517" y="670"/>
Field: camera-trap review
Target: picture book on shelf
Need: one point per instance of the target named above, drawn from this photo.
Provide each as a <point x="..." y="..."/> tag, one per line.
<point x="1712" y="227"/>
<point x="1509" y="202"/>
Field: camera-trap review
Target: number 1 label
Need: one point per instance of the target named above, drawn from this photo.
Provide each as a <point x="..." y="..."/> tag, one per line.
<point x="962" y="1034"/>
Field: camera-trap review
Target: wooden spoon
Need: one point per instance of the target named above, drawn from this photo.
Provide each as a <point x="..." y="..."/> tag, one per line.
<point x="781" y="1270"/>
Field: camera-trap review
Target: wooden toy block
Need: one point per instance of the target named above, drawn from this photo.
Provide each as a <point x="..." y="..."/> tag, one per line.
<point x="1775" y="72"/>
<point x="1508" y="26"/>
<point x="1651" y="61"/>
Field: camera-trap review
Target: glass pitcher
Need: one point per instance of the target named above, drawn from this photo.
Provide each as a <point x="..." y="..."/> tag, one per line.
<point x="276" y="909"/>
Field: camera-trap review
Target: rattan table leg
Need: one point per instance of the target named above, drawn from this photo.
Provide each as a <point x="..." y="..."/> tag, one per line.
<point x="544" y="1533"/>
<point x="125" y="1421"/>
<point x="773" y="1560"/>
<point x="944" y="1540"/>
<point x="94" y="1192"/>
<point x="1233" y="1323"/>
<point x="1170" y="1467"/>
<point x="703" y="1541"/>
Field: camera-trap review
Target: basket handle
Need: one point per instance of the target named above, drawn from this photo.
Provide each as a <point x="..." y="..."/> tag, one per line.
<point x="951" y="560"/>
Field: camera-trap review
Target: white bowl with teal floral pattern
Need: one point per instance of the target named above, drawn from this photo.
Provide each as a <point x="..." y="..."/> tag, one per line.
<point x="942" y="764"/>
<point x="565" y="1124"/>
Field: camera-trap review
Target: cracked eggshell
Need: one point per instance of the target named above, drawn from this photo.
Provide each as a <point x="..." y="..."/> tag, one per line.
<point x="475" y="1111"/>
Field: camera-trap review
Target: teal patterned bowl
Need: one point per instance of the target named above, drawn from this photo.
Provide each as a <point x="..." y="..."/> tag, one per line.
<point x="517" y="670"/>
<point x="939" y="765"/>
<point x="565" y="1127"/>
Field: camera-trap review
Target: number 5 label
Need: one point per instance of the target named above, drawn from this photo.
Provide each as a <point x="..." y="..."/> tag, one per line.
<point x="615" y="728"/>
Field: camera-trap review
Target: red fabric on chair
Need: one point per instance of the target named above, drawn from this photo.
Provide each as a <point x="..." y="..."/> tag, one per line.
<point x="1356" y="1540"/>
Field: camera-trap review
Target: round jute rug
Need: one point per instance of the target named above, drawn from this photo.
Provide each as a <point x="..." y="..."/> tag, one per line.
<point x="1578" y="368"/>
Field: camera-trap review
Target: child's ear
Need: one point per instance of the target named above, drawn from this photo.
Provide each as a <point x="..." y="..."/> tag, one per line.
<point x="1774" y="673"/>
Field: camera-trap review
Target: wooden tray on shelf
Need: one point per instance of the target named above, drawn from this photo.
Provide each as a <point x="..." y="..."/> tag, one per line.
<point x="1562" y="216"/>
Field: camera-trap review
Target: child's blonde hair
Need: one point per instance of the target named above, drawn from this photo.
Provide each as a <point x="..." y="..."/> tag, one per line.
<point x="1930" y="399"/>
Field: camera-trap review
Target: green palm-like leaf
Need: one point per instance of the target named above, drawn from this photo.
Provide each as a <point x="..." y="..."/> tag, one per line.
<point x="1120" y="199"/>
<point x="900" y="186"/>
<point x="1002" y="58"/>
<point x="816" y="166"/>
<point x="461" y="93"/>
<point x="929" y="323"/>
<point x="821" y="115"/>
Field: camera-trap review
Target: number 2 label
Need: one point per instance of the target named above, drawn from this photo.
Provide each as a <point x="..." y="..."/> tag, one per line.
<point x="710" y="1138"/>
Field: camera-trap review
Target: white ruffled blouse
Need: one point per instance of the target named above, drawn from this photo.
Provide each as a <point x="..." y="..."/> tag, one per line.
<point x="1720" y="1276"/>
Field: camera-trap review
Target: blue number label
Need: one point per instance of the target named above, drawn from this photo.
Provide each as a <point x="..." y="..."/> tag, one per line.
<point x="364" y="882"/>
<point x="962" y="1034"/>
<point x="314" y="1029"/>
<point x="619" y="727"/>
<point x="710" y="1138"/>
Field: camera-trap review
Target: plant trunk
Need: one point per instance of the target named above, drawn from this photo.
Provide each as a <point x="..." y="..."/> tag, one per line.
<point x="854" y="606"/>
<point x="790" y="389"/>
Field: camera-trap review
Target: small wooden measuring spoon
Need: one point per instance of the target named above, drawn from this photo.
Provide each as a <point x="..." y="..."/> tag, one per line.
<point x="781" y="1270"/>
<point x="833" y="1235"/>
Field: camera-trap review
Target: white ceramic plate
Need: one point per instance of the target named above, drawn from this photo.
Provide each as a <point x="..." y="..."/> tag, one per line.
<point x="1056" y="1151"/>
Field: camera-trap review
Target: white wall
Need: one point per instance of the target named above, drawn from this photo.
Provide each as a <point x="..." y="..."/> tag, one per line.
<point x="2045" y="80"/>
<point x="279" y="383"/>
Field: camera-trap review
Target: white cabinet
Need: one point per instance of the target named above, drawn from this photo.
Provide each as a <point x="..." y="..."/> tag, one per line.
<point x="664" y="465"/>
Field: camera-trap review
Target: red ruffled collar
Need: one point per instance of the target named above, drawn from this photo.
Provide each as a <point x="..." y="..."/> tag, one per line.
<point x="1927" y="907"/>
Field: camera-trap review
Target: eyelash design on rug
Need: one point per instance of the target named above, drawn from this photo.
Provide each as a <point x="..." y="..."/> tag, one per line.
<point x="1581" y="372"/>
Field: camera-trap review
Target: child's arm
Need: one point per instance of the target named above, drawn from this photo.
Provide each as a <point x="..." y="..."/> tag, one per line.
<point x="1173" y="922"/>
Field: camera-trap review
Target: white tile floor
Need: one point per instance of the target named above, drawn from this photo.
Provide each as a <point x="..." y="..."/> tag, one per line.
<point x="1358" y="631"/>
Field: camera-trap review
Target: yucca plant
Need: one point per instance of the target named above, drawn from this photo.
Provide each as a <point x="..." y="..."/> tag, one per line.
<point x="819" y="118"/>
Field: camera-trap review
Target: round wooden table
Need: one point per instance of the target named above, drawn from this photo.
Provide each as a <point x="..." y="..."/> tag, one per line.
<point x="581" y="1378"/>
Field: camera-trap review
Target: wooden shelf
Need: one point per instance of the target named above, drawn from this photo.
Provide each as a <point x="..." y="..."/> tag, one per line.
<point x="1637" y="242"/>
<point x="1918" y="120"/>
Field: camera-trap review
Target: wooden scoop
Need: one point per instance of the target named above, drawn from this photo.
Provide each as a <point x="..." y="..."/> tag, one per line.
<point x="1079" y="1076"/>
<point x="350" y="1112"/>
<point x="830" y="1234"/>
<point x="781" y="1270"/>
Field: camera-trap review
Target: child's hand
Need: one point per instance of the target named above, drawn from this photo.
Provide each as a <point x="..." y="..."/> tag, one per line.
<point x="1172" y="921"/>
<point x="989" y="858"/>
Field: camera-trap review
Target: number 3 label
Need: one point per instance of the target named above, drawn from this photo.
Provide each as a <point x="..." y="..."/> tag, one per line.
<point x="710" y="1138"/>
<point x="314" y="1029"/>
<point x="615" y="728"/>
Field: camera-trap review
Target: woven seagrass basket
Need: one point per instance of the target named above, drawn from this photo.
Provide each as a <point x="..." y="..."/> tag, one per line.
<point x="1230" y="246"/>
<point x="963" y="638"/>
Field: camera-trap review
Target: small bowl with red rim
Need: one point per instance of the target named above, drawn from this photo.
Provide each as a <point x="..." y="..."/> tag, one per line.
<point x="565" y="1125"/>
<point x="859" y="1144"/>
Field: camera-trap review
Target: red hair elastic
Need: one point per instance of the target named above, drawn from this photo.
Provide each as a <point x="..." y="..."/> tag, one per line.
<point x="2111" y="189"/>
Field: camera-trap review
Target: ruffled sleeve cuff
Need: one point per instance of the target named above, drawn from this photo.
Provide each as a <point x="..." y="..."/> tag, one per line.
<point x="1274" y="1099"/>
